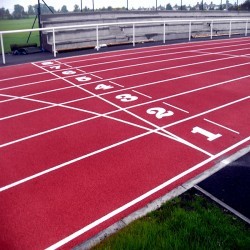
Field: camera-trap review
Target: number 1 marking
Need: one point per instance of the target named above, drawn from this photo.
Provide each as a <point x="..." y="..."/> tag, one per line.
<point x="210" y="136"/>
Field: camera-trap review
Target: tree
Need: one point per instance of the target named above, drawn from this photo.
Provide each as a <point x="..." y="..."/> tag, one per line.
<point x="76" y="8"/>
<point x="18" y="11"/>
<point x="245" y="5"/>
<point x="2" y="13"/>
<point x="44" y="9"/>
<point x="31" y="10"/>
<point x="64" y="9"/>
<point x="169" y="7"/>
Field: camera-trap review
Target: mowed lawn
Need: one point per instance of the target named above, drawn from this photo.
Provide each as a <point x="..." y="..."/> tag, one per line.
<point x="18" y="38"/>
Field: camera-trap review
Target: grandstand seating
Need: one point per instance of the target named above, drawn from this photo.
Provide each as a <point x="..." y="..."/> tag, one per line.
<point x="76" y="38"/>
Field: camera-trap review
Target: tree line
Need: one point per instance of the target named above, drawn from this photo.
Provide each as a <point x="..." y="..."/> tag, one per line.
<point x="19" y="11"/>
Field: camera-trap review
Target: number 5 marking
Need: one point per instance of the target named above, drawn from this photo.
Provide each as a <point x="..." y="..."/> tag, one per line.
<point x="159" y="112"/>
<point x="126" y="98"/>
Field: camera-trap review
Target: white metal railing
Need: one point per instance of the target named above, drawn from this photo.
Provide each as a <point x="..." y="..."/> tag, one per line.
<point x="133" y="24"/>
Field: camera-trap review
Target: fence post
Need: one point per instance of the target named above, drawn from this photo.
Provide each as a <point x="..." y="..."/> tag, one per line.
<point x="246" y="28"/>
<point x="54" y="43"/>
<point x="133" y="35"/>
<point x="164" y="32"/>
<point x="212" y="23"/>
<point x="230" y="28"/>
<point x="97" y="38"/>
<point x="2" y="46"/>
<point x="190" y="31"/>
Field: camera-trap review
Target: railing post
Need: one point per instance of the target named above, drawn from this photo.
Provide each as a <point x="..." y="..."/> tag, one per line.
<point x="230" y="28"/>
<point x="246" y="28"/>
<point x="2" y="46"/>
<point x="164" y="32"/>
<point x="54" y="43"/>
<point x="97" y="38"/>
<point x="133" y="35"/>
<point x="212" y="23"/>
<point x="190" y="31"/>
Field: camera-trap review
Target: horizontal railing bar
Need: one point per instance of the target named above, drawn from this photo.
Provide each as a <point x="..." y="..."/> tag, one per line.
<point x="123" y="23"/>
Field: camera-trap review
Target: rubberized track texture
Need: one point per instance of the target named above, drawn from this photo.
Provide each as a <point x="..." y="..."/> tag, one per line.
<point x="90" y="139"/>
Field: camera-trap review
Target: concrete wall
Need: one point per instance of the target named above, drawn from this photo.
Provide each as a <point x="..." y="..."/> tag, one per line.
<point x="123" y="33"/>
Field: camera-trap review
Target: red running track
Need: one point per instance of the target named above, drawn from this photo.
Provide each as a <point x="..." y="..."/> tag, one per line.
<point x="87" y="140"/>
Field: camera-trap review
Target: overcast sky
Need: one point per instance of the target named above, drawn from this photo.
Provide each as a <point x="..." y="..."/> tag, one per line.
<point x="9" y="4"/>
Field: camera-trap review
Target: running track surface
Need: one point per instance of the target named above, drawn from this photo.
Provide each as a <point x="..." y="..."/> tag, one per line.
<point x="87" y="140"/>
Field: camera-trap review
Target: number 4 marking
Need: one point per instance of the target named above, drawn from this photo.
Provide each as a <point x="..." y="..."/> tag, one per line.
<point x="103" y="86"/>
<point x="55" y="67"/>
<point x="210" y="136"/>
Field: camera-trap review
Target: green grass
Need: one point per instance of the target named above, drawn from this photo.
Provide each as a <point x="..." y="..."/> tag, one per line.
<point x="18" y="38"/>
<point x="188" y="222"/>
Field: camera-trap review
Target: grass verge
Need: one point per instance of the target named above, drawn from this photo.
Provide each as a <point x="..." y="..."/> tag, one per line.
<point x="18" y="38"/>
<point x="190" y="221"/>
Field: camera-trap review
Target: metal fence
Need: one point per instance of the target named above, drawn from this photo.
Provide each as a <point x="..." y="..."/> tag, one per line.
<point x="133" y="24"/>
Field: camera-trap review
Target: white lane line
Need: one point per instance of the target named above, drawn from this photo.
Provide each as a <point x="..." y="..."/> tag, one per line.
<point x="165" y="134"/>
<point x="219" y="125"/>
<point x="117" y="84"/>
<point x="4" y="188"/>
<point x="146" y="72"/>
<point x="134" y="51"/>
<point x="185" y="92"/>
<point x="208" y="111"/>
<point x="95" y="76"/>
<point x="161" y="48"/>
<point x="223" y="204"/>
<point x="139" y="93"/>
<point x="140" y="198"/>
<point x="185" y="111"/>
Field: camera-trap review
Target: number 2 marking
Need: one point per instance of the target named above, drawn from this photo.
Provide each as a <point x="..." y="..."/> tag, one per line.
<point x="159" y="112"/>
<point x="126" y="98"/>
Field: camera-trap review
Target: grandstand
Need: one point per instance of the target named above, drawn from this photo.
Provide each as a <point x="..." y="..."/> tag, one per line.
<point x="122" y="32"/>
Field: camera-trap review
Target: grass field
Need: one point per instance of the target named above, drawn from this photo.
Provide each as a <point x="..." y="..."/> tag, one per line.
<point x="18" y="38"/>
<point x="186" y="222"/>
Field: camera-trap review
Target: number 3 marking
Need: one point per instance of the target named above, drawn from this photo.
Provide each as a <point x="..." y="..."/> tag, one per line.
<point x="126" y="98"/>
<point x="159" y="112"/>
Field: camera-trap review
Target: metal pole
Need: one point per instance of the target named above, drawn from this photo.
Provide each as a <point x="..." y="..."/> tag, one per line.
<point x="133" y="35"/>
<point x="164" y="32"/>
<point x="127" y="4"/>
<point x="230" y="28"/>
<point x="39" y="23"/>
<point x="156" y="5"/>
<point x="181" y="4"/>
<point x="54" y="43"/>
<point x="3" y="55"/>
<point x="212" y="29"/>
<point x="81" y="5"/>
<point x="246" y="28"/>
<point x="93" y="2"/>
<point x="190" y="24"/>
<point x="97" y="38"/>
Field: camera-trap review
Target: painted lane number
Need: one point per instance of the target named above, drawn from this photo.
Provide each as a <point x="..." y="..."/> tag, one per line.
<point x="210" y="136"/>
<point x="126" y="98"/>
<point x="103" y="86"/>
<point x="83" y="79"/>
<point x="159" y="112"/>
